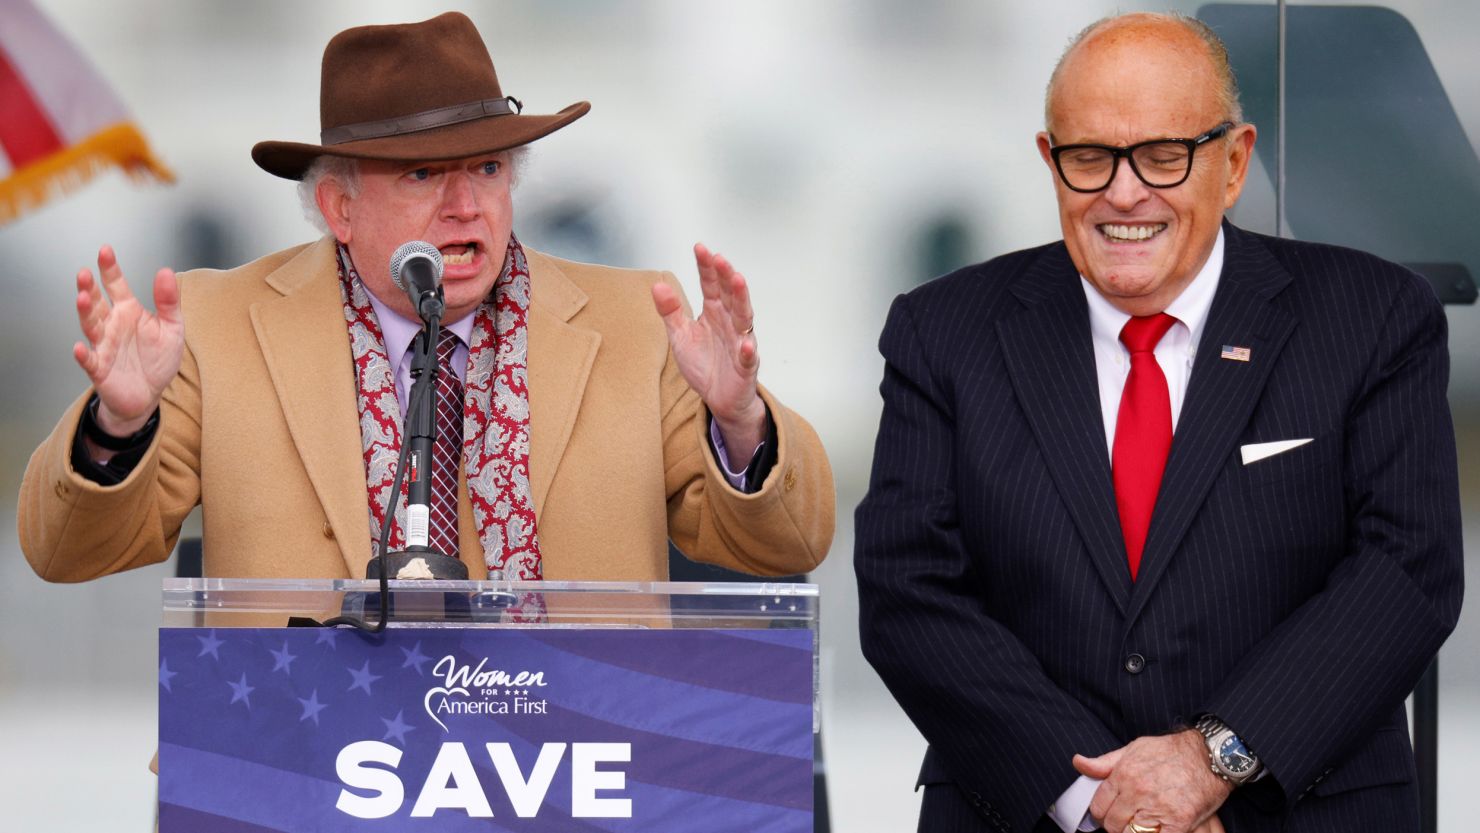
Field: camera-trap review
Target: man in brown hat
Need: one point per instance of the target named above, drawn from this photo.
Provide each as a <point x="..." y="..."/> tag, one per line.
<point x="579" y="437"/>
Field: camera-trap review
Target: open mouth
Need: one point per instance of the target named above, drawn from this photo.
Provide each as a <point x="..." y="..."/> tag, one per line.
<point x="458" y="254"/>
<point x="1119" y="233"/>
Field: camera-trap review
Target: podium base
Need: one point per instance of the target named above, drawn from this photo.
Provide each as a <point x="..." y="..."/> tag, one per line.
<point x="414" y="564"/>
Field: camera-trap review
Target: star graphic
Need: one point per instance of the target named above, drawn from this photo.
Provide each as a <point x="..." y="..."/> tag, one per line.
<point x="240" y="691"/>
<point x="363" y="677"/>
<point x="165" y="675"/>
<point x="283" y="659"/>
<point x="328" y="635"/>
<point x="415" y="657"/>
<point x="208" y="645"/>
<point x="311" y="707"/>
<point x="396" y="728"/>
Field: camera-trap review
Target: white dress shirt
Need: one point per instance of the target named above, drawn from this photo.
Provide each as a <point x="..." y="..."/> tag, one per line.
<point x="1175" y="354"/>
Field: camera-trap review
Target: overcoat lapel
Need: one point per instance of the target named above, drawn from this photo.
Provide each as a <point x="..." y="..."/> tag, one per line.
<point x="1220" y="397"/>
<point x="561" y="356"/>
<point x="1051" y="363"/>
<point x="304" y="344"/>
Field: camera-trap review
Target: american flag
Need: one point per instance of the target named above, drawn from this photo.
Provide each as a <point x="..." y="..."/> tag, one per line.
<point x="1234" y="354"/>
<point x="60" y="121"/>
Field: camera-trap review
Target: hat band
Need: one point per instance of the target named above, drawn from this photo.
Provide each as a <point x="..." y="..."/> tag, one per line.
<point x="425" y="120"/>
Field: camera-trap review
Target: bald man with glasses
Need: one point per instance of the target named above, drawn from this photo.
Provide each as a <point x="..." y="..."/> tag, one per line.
<point x="1164" y="523"/>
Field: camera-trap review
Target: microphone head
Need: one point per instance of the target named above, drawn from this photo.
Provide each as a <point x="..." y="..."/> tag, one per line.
<point x="409" y="252"/>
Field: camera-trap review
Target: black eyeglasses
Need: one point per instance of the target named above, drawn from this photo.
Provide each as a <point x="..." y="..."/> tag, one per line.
<point x="1160" y="163"/>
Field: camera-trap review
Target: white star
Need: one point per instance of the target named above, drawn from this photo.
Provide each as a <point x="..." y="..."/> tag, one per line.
<point x="209" y="644"/>
<point x="165" y="675"/>
<point x="311" y="707"/>
<point x="396" y="728"/>
<point x="240" y="691"/>
<point x="283" y="659"/>
<point x="328" y="635"/>
<point x="363" y="677"/>
<point x="415" y="657"/>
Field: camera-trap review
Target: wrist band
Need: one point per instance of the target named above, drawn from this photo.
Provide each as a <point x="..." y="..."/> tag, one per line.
<point x="102" y="439"/>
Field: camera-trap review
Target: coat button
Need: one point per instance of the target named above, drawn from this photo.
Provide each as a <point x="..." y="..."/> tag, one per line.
<point x="790" y="481"/>
<point x="62" y="490"/>
<point x="328" y="531"/>
<point x="1135" y="664"/>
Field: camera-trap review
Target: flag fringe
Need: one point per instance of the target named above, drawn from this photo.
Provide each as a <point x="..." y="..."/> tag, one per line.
<point x="67" y="170"/>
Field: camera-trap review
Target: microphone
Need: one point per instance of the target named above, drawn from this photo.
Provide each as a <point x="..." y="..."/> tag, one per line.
<point x="416" y="268"/>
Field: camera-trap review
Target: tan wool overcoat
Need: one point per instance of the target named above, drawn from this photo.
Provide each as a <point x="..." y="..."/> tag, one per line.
<point x="261" y="429"/>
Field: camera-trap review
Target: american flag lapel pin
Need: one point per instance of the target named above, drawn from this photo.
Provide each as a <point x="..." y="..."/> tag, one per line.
<point x="1234" y="354"/>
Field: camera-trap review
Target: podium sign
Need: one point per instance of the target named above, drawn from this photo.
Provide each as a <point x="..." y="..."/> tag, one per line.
<point x="655" y="707"/>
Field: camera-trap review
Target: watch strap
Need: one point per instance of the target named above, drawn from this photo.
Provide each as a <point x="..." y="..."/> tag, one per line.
<point x="1211" y="727"/>
<point x="102" y="439"/>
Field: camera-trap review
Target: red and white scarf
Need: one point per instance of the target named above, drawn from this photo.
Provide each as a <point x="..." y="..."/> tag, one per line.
<point x="495" y="417"/>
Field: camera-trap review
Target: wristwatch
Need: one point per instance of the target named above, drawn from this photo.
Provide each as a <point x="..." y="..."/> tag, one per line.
<point x="102" y="439"/>
<point x="1228" y="757"/>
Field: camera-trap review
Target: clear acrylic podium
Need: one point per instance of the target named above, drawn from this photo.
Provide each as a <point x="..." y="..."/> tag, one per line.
<point x="650" y="706"/>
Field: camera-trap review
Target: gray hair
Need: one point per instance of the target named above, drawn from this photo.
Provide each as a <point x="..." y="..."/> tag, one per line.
<point x="1228" y="97"/>
<point x="346" y="172"/>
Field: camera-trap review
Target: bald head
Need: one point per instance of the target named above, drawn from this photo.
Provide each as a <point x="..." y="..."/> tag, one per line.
<point x="1149" y="37"/>
<point x="1147" y="81"/>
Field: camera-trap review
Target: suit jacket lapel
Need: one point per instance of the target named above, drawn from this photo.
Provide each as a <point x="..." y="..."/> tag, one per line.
<point x="305" y="347"/>
<point x="1220" y="397"/>
<point x="1051" y="363"/>
<point x="561" y="356"/>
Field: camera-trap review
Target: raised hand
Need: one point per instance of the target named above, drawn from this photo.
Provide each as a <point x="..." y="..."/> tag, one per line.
<point x="129" y="354"/>
<point x="717" y="352"/>
<point x="1163" y="782"/>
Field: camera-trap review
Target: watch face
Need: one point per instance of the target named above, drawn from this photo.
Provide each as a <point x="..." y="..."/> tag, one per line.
<point x="1234" y="756"/>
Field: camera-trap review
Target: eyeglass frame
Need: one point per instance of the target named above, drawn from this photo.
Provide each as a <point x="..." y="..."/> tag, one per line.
<point x="1117" y="152"/>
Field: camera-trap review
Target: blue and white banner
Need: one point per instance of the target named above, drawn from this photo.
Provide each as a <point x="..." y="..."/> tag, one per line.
<point x="280" y="730"/>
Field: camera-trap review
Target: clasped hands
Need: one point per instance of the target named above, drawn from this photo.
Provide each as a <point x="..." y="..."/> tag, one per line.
<point x="716" y="353"/>
<point x="1160" y="783"/>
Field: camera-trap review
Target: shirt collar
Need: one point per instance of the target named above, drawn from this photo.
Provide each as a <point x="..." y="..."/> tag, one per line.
<point x="397" y="330"/>
<point x="1190" y="308"/>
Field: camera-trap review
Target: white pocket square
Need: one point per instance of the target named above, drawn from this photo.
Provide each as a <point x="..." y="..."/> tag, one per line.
<point x="1254" y="452"/>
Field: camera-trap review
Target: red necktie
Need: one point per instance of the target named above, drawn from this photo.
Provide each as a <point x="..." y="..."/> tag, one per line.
<point x="1143" y="433"/>
<point x="447" y="453"/>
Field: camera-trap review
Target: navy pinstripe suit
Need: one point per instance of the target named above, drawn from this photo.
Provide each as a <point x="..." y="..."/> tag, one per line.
<point x="1299" y="598"/>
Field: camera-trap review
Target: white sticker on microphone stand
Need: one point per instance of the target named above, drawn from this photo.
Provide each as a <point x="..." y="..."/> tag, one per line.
<point x="418" y="520"/>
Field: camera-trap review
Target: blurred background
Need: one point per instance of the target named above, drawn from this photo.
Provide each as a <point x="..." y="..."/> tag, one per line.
<point x="838" y="152"/>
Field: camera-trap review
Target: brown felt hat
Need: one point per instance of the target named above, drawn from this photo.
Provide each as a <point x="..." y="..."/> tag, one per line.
<point x="411" y="92"/>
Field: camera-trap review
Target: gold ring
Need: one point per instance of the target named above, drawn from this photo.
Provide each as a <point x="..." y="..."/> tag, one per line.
<point x="1134" y="827"/>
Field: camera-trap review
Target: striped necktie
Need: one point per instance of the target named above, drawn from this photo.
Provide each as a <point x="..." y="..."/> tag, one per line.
<point x="447" y="453"/>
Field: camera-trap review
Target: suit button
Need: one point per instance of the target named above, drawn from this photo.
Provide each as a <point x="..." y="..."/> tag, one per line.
<point x="62" y="490"/>
<point x="790" y="481"/>
<point x="328" y="531"/>
<point x="1135" y="664"/>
